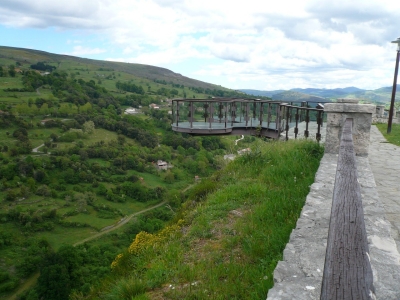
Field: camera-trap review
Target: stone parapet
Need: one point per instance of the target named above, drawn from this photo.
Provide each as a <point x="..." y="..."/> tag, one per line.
<point x="299" y="275"/>
<point x="337" y="113"/>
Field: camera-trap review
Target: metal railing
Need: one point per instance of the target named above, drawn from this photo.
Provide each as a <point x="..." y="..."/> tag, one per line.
<point x="242" y="116"/>
<point x="347" y="270"/>
<point x="295" y="114"/>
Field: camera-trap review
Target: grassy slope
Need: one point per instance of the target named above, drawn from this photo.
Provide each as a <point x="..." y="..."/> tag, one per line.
<point x="231" y="234"/>
<point x="394" y="136"/>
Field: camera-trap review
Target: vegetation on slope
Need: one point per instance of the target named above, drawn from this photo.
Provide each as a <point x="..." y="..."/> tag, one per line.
<point x="92" y="166"/>
<point x="394" y="136"/>
<point x="226" y="240"/>
<point x="95" y="165"/>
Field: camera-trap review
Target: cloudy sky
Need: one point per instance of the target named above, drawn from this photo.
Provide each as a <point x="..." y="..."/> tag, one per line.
<point x="259" y="44"/>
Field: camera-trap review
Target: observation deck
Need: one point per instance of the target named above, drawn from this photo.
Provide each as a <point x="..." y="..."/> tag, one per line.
<point x="219" y="116"/>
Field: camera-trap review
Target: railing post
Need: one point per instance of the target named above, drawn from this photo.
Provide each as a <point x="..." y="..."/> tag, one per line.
<point x="347" y="270"/>
<point x="337" y="113"/>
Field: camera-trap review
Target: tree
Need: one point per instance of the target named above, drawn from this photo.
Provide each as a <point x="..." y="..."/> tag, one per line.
<point x="43" y="190"/>
<point x="54" y="281"/>
<point x="88" y="127"/>
<point x="11" y="70"/>
<point x="11" y="195"/>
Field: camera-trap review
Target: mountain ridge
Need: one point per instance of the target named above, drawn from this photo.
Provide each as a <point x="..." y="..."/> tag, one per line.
<point x="381" y="95"/>
<point x="31" y="56"/>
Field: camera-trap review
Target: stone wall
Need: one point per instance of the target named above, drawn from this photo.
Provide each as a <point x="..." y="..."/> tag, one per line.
<point x="299" y="274"/>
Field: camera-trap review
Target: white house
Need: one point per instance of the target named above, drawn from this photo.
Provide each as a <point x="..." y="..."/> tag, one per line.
<point x="131" y="111"/>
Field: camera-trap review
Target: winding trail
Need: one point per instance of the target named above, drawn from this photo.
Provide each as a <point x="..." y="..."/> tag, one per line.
<point x="236" y="141"/>
<point x="123" y="222"/>
<point x="29" y="282"/>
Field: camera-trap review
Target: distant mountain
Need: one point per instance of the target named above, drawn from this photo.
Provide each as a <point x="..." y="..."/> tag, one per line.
<point x="293" y="96"/>
<point x="329" y="93"/>
<point x="261" y="93"/>
<point x="381" y="95"/>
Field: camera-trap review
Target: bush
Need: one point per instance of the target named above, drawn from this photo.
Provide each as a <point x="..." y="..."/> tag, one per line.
<point x="201" y="190"/>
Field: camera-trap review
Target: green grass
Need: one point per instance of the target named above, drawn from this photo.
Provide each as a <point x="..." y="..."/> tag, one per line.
<point x="394" y="136"/>
<point x="66" y="236"/>
<point x="235" y="227"/>
<point x="92" y="219"/>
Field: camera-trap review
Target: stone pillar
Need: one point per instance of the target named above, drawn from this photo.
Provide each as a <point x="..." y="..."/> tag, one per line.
<point x="380" y="111"/>
<point x="337" y="113"/>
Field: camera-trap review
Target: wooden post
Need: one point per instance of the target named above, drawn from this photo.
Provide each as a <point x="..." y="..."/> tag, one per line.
<point x="347" y="271"/>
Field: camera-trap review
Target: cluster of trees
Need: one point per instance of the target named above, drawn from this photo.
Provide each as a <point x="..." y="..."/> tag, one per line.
<point x="47" y="107"/>
<point x="41" y="66"/>
<point x="175" y="85"/>
<point x="68" y="270"/>
<point x="34" y="250"/>
<point x="135" y="100"/>
<point x="23" y="145"/>
<point x="130" y="87"/>
<point x="10" y="70"/>
<point x="160" y="81"/>
<point x="78" y="92"/>
<point x="167" y="92"/>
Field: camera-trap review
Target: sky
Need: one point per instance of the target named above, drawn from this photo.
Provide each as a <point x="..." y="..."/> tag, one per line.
<point x="254" y="44"/>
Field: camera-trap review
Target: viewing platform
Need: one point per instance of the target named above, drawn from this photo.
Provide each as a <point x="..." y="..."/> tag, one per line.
<point x="237" y="116"/>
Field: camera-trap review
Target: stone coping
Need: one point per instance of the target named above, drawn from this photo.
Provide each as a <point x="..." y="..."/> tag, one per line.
<point x="299" y="275"/>
<point x="350" y="108"/>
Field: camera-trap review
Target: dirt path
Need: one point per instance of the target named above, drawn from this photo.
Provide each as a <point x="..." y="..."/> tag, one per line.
<point x="236" y="141"/>
<point x="36" y="150"/>
<point x="26" y="285"/>
<point x="32" y="279"/>
<point x="123" y="222"/>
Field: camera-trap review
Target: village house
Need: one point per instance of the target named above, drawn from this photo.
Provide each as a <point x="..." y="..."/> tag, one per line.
<point x="43" y="122"/>
<point x="154" y="106"/>
<point x="162" y="165"/>
<point x="131" y="111"/>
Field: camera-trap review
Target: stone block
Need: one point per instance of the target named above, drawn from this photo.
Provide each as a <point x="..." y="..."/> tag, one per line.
<point x="337" y="113"/>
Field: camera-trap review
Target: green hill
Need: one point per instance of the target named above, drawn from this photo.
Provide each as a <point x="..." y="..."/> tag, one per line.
<point x="97" y="68"/>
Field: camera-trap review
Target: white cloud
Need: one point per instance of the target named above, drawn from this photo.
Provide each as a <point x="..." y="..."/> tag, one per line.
<point x="281" y="43"/>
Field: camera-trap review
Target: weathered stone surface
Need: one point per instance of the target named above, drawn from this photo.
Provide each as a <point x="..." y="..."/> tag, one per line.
<point x="337" y="113"/>
<point x="349" y="108"/>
